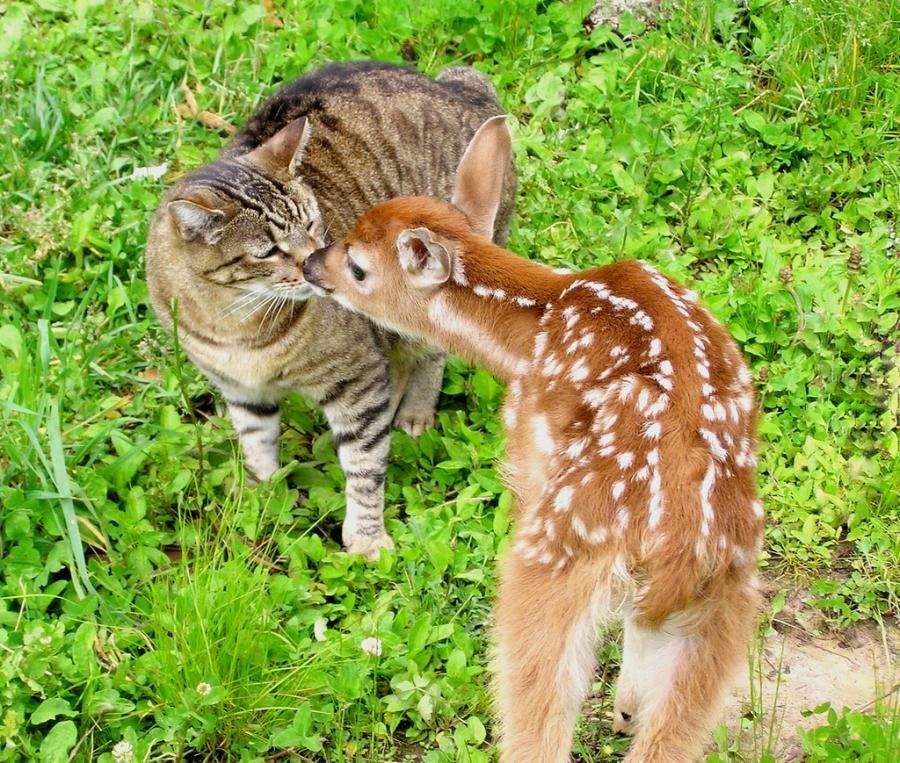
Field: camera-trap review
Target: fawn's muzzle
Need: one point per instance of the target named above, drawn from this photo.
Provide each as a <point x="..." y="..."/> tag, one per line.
<point x="314" y="270"/>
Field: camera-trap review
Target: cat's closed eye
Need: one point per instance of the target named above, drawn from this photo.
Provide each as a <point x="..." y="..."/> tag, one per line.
<point x="270" y="252"/>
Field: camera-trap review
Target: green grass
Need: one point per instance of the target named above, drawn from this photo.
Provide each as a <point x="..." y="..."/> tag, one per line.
<point x="749" y="149"/>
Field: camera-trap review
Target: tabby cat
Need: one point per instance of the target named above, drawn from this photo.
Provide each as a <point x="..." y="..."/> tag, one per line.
<point x="228" y="242"/>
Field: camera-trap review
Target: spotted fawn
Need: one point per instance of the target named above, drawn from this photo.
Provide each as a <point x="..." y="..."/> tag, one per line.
<point x="630" y="422"/>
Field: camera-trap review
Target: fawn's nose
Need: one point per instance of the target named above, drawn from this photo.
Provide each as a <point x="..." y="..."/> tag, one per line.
<point x="314" y="270"/>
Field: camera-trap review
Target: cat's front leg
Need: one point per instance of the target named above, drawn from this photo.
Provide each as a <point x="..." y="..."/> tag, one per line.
<point x="359" y="412"/>
<point x="257" y="423"/>
<point x="416" y="410"/>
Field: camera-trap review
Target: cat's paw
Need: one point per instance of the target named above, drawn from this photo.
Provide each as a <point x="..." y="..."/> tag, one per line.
<point x="368" y="546"/>
<point x="413" y="422"/>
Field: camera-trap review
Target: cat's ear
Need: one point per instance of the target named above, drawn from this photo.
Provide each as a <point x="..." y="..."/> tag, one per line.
<point x="479" y="178"/>
<point x="196" y="220"/>
<point x="426" y="259"/>
<point x="284" y="150"/>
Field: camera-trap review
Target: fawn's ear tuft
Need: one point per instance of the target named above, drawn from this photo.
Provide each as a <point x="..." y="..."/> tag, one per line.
<point x="421" y="255"/>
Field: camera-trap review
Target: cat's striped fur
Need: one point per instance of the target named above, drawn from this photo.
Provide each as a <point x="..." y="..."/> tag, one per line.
<point x="228" y="243"/>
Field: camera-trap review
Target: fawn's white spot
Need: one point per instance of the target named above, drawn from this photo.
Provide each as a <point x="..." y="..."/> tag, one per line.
<point x="579" y="528"/>
<point x="563" y="500"/>
<point x="542" y="438"/>
<point x="595" y="398"/>
<point x="652" y="430"/>
<point x="656" y="507"/>
<point x="715" y="446"/>
<point x="607" y="422"/>
<point x="579" y="371"/>
<point x="662" y="402"/>
<point x="598" y="536"/>
<point x="706" y="488"/>
<point x="576" y="448"/>
<point x="571" y="316"/>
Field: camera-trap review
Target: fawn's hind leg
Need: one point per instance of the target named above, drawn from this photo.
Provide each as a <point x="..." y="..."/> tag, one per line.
<point x="649" y="656"/>
<point x="547" y="631"/>
<point x="695" y="656"/>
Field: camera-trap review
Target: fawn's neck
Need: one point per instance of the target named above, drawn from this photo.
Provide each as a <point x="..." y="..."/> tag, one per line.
<point x="490" y="310"/>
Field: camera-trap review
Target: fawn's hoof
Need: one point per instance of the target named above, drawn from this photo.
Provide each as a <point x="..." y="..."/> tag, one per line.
<point x="623" y="723"/>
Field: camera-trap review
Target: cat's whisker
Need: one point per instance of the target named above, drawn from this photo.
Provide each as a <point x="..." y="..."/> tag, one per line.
<point x="276" y="303"/>
<point x="243" y="302"/>
<point x="266" y="301"/>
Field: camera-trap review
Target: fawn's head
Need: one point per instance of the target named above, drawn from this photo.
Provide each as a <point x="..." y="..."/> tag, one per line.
<point x="402" y="251"/>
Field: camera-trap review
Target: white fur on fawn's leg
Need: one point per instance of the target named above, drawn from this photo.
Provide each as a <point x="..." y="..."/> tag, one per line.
<point x="649" y="658"/>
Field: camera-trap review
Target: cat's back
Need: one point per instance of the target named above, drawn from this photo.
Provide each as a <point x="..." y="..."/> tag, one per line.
<point x="378" y="131"/>
<point x="366" y="93"/>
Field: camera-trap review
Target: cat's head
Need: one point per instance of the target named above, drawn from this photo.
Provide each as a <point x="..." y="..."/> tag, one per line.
<point x="250" y="221"/>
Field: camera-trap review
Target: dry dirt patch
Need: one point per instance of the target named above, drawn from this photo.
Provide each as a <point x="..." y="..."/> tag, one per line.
<point x="802" y="665"/>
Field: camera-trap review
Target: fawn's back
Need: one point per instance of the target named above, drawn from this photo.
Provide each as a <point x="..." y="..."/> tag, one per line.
<point x="634" y="422"/>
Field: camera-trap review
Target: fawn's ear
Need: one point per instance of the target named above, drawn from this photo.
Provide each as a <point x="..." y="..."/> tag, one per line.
<point x="284" y="150"/>
<point x="423" y="257"/>
<point x="479" y="178"/>
<point x="200" y="214"/>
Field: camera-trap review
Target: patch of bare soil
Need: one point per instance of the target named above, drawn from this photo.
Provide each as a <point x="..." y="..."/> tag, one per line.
<point x="802" y="665"/>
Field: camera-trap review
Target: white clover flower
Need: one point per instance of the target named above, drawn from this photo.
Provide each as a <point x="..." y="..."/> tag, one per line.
<point x="123" y="752"/>
<point x="371" y="646"/>
<point x="203" y="688"/>
<point x="154" y="173"/>
<point x="319" y="628"/>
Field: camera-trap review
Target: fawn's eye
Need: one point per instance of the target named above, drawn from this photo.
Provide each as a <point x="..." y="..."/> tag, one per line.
<point x="358" y="273"/>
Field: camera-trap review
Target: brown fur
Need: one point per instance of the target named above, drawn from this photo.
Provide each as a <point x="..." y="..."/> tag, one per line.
<point x="631" y="428"/>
